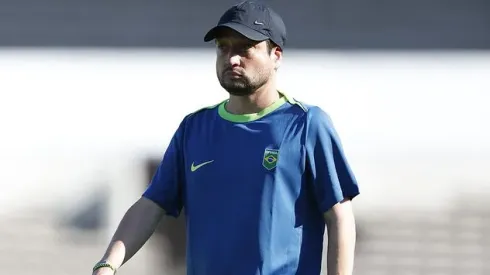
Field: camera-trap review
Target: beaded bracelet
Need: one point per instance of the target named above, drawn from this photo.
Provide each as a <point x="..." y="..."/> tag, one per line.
<point x="103" y="264"/>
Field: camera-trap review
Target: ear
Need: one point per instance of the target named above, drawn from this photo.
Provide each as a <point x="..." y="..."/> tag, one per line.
<point x="277" y="56"/>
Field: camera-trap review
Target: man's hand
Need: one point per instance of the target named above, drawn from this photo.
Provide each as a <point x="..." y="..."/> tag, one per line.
<point x="341" y="229"/>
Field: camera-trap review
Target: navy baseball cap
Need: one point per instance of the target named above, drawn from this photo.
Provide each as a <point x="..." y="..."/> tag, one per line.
<point x="254" y="20"/>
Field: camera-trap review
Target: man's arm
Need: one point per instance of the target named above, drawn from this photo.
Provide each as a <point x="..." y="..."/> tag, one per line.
<point x="334" y="186"/>
<point x="135" y="228"/>
<point x="162" y="197"/>
<point x="341" y="230"/>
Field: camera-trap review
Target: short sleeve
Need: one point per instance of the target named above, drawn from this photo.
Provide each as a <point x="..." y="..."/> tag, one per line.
<point x="328" y="170"/>
<point x="166" y="186"/>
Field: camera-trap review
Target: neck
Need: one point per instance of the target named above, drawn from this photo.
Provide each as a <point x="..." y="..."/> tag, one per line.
<point x="254" y="103"/>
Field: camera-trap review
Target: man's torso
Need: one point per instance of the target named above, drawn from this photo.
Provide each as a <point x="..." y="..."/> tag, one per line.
<point x="248" y="207"/>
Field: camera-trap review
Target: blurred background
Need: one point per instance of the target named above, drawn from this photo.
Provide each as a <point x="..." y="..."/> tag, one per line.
<point x="92" y="91"/>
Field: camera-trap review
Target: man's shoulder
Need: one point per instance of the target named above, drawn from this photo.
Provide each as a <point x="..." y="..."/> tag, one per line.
<point x="197" y="117"/>
<point x="312" y="111"/>
<point x="316" y="116"/>
<point x="203" y="111"/>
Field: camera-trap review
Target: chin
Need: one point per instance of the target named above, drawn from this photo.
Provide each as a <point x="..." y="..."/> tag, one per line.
<point x="238" y="90"/>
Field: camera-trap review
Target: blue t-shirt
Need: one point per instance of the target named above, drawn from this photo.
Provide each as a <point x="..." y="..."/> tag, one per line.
<point x="254" y="188"/>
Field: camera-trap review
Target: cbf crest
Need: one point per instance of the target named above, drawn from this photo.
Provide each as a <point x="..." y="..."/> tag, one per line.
<point x="270" y="158"/>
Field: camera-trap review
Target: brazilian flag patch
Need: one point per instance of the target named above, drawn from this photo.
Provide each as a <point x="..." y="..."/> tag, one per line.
<point x="270" y="158"/>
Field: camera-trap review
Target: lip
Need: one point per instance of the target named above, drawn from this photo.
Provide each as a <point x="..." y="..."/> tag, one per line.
<point x="233" y="72"/>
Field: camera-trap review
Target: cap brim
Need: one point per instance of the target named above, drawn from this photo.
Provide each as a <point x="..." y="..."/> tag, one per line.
<point x="243" y="30"/>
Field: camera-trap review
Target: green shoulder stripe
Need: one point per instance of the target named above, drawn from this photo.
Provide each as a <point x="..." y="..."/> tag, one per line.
<point x="206" y="108"/>
<point x="295" y="102"/>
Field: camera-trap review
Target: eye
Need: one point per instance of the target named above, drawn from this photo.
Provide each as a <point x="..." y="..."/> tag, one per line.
<point x="239" y="47"/>
<point x="244" y="48"/>
<point x="221" y="46"/>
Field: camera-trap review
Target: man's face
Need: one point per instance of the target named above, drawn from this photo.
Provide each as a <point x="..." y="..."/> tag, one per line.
<point x="243" y="65"/>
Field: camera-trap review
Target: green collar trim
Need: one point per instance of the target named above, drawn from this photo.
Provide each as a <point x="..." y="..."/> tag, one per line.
<point x="223" y="113"/>
<point x="249" y="117"/>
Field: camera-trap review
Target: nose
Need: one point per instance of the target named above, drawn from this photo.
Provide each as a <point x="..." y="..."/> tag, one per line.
<point x="234" y="60"/>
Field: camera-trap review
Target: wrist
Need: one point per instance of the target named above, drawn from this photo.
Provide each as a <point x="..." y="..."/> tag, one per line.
<point x="104" y="264"/>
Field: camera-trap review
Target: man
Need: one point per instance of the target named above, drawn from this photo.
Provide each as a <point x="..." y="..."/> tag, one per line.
<point x="258" y="175"/>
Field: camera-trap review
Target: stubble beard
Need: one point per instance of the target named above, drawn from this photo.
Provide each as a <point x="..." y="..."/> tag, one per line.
<point x="243" y="86"/>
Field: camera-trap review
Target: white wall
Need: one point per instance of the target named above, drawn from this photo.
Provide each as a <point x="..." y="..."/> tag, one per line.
<point x="415" y="125"/>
